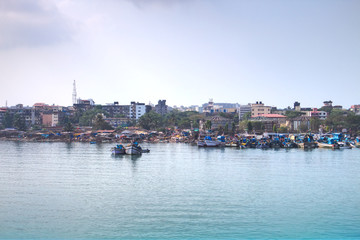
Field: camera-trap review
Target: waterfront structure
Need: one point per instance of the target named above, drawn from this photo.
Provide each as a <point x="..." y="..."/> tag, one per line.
<point x="258" y="109"/>
<point x="161" y="108"/>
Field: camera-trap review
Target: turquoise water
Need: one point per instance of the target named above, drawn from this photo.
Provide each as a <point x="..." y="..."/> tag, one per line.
<point x="177" y="191"/>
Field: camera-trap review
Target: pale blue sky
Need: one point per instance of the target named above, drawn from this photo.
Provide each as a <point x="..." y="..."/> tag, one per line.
<point x="184" y="51"/>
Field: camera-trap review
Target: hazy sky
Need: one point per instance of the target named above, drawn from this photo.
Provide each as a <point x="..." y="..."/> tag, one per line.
<point x="184" y="51"/>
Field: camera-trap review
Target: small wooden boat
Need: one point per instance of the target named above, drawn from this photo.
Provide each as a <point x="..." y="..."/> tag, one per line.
<point x="329" y="145"/>
<point x="133" y="149"/>
<point x="118" y="150"/>
<point x="344" y="145"/>
<point x="201" y="143"/>
<point x="308" y="145"/>
<point x="231" y="144"/>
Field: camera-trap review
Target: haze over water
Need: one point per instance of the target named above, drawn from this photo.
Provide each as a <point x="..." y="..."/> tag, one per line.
<point x="177" y="191"/>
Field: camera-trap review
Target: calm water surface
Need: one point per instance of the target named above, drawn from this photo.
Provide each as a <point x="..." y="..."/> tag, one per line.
<point x="177" y="191"/>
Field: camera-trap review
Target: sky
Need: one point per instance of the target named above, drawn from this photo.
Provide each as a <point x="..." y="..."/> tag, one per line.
<point x="183" y="51"/>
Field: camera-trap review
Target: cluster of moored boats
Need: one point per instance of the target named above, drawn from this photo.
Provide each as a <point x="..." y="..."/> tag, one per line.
<point x="308" y="141"/>
<point x="130" y="149"/>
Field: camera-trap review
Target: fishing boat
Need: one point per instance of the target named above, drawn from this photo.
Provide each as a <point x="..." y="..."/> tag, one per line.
<point x="133" y="149"/>
<point x="118" y="150"/>
<point x="231" y="144"/>
<point x="357" y="142"/>
<point x="328" y="143"/>
<point x="307" y="142"/>
<point x="209" y="142"/>
<point x="201" y="143"/>
<point x="345" y="145"/>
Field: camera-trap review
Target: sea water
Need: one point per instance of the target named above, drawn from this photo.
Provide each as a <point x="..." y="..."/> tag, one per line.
<point x="177" y="191"/>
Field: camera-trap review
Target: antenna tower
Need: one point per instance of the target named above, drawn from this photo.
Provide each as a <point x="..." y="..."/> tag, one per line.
<point x="74" y="93"/>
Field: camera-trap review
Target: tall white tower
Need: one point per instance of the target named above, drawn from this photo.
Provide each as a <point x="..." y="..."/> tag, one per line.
<point x="74" y="93"/>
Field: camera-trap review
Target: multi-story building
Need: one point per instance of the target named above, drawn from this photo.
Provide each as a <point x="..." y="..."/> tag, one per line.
<point x="50" y="119"/>
<point x="322" y="115"/>
<point x="258" y="109"/>
<point x="161" y="108"/>
<point x="328" y="103"/>
<point x="115" y="109"/>
<point x="31" y="115"/>
<point x="84" y="104"/>
<point x="212" y="107"/>
<point x="2" y="115"/>
<point x="243" y="109"/>
<point x="355" y="108"/>
<point x="133" y="111"/>
<point x="137" y="110"/>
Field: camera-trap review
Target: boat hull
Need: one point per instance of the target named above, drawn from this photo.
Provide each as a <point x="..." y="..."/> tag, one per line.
<point x="211" y="143"/>
<point x="308" y="145"/>
<point x="328" y="146"/>
<point x="133" y="151"/>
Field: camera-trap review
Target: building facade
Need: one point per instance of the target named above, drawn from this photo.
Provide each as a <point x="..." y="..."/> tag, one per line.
<point x="243" y="109"/>
<point x="137" y="110"/>
<point x="116" y="110"/>
<point x="161" y="108"/>
<point x="258" y="109"/>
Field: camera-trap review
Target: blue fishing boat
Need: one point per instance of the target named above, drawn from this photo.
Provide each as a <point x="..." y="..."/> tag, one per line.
<point x="118" y="150"/>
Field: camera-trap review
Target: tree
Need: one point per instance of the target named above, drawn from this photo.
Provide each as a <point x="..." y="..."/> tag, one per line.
<point x="293" y="114"/>
<point x="8" y="120"/>
<point x="226" y="129"/>
<point x="274" y="128"/>
<point x="258" y="126"/>
<point x="19" y="122"/>
<point x="327" y="109"/>
<point x="249" y="126"/>
<point x="283" y="129"/>
<point x="233" y="128"/>
<point x="246" y="116"/>
<point x="315" y="124"/>
<point x="150" y="120"/>
<point x="208" y="125"/>
<point x="352" y="122"/>
<point x="87" y="117"/>
<point x="68" y="127"/>
<point x="100" y="123"/>
<point x="303" y="127"/>
<point x="336" y="120"/>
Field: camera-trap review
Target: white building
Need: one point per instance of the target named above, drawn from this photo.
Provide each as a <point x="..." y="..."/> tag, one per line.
<point x="137" y="110"/>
